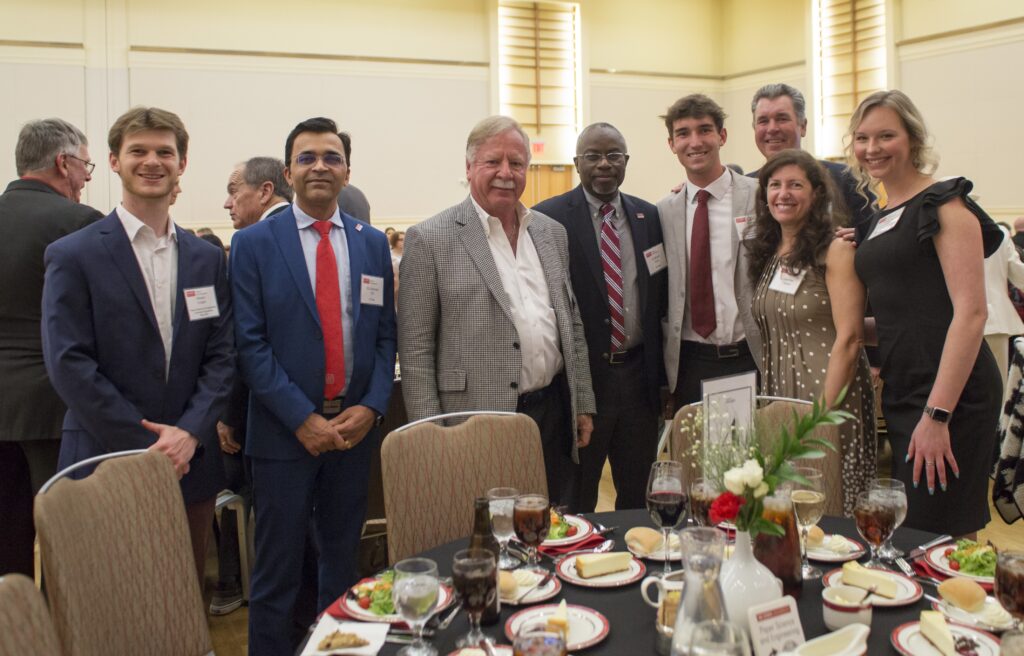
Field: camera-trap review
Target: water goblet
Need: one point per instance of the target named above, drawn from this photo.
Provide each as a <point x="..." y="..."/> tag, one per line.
<point x="502" y="502"/>
<point x="875" y="514"/>
<point x="531" y="516"/>
<point x="666" y="500"/>
<point x="898" y="490"/>
<point x="808" y="497"/>
<point x="414" y="594"/>
<point x="473" y="573"/>
<point x="702" y="494"/>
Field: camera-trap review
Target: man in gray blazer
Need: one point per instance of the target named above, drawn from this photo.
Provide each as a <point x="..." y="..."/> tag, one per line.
<point x="487" y="317"/>
<point x="709" y="331"/>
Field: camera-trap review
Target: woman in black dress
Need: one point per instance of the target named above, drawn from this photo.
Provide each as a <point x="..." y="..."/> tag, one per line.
<point x="922" y="264"/>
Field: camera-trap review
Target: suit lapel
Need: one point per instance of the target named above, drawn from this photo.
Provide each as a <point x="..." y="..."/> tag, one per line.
<point x="639" y="232"/>
<point x="740" y="194"/>
<point x="474" y="239"/>
<point x="549" y="260"/>
<point x="582" y="230"/>
<point x="115" y="239"/>
<point x="356" y="257"/>
<point x="286" y="234"/>
<point x="185" y="255"/>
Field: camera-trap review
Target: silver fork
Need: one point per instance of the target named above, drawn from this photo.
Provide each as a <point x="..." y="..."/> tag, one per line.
<point x="446" y="622"/>
<point x="905" y="567"/>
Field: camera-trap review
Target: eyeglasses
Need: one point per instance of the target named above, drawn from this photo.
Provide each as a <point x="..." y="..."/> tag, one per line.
<point x="332" y="160"/>
<point x="613" y="158"/>
<point x="89" y="166"/>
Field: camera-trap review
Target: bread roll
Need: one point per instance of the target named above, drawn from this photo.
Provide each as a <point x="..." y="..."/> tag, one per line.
<point x="963" y="593"/>
<point x="815" y="537"/>
<point x="643" y="540"/>
<point x="507" y="585"/>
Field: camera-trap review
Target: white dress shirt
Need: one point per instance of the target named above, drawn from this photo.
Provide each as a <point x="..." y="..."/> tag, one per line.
<point x="310" y="239"/>
<point x="158" y="261"/>
<point x="522" y="276"/>
<point x="728" y="328"/>
<point x="273" y="208"/>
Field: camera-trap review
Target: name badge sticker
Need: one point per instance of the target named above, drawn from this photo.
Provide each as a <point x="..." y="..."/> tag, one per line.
<point x="886" y="223"/>
<point x="371" y="291"/>
<point x="656" y="259"/>
<point x="741" y="223"/>
<point x="786" y="280"/>
<point x="201" y="303"/>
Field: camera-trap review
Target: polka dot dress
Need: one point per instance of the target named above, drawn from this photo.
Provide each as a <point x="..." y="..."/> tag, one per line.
<point x="797" y="334"/>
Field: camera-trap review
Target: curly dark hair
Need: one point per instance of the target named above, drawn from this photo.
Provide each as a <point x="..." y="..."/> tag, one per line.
<point x="812" y="242"/>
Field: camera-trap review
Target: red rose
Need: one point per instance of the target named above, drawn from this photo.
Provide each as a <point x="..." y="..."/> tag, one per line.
<point x="725" y="507"/>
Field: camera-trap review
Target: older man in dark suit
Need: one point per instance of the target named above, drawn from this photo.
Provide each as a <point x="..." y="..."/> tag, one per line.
<point x="618" y="270"/>
<point x="52" y="160"/>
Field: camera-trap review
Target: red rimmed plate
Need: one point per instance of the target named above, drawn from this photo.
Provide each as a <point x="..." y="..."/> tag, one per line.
<point x="583" y="530"/>
<point x="936" y="557"/>
<point x="537" y="595"/>
<point x="566" y="570"/>
<point x="908" y="590"/>
<point x="445" y="597"/>
<point x="908" y="640"/>
<point x="587" y="627"/>
<point x="823" y="554"/>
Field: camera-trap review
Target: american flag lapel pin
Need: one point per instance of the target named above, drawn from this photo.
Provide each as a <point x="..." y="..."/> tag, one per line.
<point x="639" y="215"/>
<point x="359" y="227"/>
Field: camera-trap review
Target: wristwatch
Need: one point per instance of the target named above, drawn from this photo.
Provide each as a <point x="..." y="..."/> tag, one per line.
<point x="938" y="414"/>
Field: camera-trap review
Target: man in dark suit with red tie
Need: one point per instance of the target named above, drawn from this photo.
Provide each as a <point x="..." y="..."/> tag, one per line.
<point x="618" y="271"/>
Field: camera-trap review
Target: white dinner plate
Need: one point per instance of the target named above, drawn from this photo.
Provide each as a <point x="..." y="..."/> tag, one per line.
<point x="566" y="570"/>
<point x="936" y="557"/>
<point x="982" y="618"/>
<point x="823" y="554"/>
<point x="445" y="597"/>
<point x="907" y="592"/>
<point x="675" y="553"/>
<point x="587" y="627"/>
<point x="537" y="595"/>
<point x="583" y="530"/>
<point x="499" y="650"/>
<point x="908" y="640"/>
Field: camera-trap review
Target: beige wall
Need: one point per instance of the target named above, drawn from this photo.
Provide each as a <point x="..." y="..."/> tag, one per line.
<point x="760" y="35"/>
<point x="921" y="18"/>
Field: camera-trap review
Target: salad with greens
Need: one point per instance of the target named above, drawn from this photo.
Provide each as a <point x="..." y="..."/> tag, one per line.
<point x="374" y="595"/>
<point x="972" y="558"/>
<point x="560" y="528"/>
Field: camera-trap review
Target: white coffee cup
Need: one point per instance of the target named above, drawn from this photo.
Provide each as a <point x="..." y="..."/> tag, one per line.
<point x="842" y="605"/>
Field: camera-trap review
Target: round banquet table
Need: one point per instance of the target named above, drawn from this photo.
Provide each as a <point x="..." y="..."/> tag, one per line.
<point x="632" y="620"/>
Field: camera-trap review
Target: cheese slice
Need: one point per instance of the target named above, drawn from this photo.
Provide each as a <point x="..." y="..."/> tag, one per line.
<point x="859" y="576"/>
<point x="559" y="621"/>
<point x="590" y="565"/>
<point x="934" y="627"/>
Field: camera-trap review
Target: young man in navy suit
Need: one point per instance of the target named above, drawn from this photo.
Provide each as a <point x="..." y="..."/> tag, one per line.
<point x="315" y="329"/>
<point x="137" y="330"/>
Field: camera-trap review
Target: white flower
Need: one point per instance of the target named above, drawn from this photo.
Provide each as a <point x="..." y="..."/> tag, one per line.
<point x="761" y="490"/>
<point x="733" y="480"/>
<point x="752" y="474"/>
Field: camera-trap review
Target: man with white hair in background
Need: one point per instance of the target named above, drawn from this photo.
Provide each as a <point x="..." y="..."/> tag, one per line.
<point x="487" y="318"/>
<point x="40" y="207"/>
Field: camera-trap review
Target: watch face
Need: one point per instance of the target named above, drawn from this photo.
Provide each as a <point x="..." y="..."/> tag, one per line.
<point x="938" y="414"/>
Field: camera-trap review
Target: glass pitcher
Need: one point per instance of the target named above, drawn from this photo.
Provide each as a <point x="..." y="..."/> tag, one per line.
<point x="702" y="598"/>
<point x="781" y="554"/>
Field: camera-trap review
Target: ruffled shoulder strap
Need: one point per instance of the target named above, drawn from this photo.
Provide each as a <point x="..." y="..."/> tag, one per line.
<point x="941" y="193"/>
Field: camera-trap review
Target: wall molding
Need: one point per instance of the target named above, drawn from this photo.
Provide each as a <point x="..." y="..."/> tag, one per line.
<point x="42" y="52"/>
<point x="764" y="76"/>
<point x="972" y="38"/>
<point x="307" y="56"/>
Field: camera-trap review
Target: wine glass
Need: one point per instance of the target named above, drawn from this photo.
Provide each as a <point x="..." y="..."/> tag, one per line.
<point x="536" y="639"/>
<point x="502" y="503"/>
<point x="666" y="500"/>
<point x="898" y="491"/>
<point x="1009" y="583"/>
<point x="875" y="514"/>
<point x="414" y="594"/>
<point x="531" y="516"/>
<point x="473" y="573"/>
<point x="702" y="493"/>
<point x="809" y="504"/>
<point x="718" y="638"/>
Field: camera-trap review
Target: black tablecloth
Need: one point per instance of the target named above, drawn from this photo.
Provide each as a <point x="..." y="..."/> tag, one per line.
<point x="632" y="620"/>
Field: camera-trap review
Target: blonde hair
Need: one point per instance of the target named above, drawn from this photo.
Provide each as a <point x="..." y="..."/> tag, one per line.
<point x="922" y="156"/>
<point x="490" y="127"/>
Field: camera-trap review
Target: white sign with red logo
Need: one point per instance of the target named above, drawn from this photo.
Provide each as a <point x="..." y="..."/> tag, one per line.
<point x="201" y="303"/>
<point x="775" y="627"/>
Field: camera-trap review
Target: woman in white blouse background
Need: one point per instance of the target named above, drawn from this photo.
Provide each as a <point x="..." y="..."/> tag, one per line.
<point x="1003" y="321"/>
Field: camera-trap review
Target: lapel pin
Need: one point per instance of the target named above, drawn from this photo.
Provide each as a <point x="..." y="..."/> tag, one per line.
<point x="359" y="227"/>
<point x="639" y="215"/>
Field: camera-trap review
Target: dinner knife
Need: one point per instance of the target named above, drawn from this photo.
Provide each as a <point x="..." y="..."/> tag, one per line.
<point x="920" y="551"/>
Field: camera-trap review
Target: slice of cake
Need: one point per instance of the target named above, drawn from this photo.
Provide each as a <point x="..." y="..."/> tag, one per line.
<point x="859" y="576"/>
<point x="590" y="565"/>
<point x="935" y="629"/>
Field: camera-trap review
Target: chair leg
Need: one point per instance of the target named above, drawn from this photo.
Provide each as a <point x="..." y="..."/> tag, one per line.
<point x="243" y="549"/>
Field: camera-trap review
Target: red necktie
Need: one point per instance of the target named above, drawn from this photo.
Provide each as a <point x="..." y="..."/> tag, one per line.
<point x="702" y="293"/>
<point x="611" y="262"/>
<point x="328" y="305"/>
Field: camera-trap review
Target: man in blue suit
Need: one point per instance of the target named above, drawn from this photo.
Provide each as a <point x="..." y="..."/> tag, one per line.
<point x="137" y="330"/>
<point x="315" y="330"/>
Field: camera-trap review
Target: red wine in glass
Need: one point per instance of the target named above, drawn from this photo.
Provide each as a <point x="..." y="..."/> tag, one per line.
<point x="666" y="508"/>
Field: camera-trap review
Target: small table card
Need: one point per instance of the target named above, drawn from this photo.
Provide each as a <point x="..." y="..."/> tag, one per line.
<point x="775" y="627"/>
<point x="729" y="407"/>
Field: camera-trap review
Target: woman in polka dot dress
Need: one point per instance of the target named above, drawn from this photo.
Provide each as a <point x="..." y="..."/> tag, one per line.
<point x="809" y="307"/>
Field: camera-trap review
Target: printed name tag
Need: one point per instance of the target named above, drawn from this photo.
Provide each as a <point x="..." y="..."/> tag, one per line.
<point x="786" y="280"/>
<point x="201" y="303"/>
<point x="741" y="223"/>
<point x="656" y="260"/>
<point x="372" y="290"/>
<point x="886" y="223"/>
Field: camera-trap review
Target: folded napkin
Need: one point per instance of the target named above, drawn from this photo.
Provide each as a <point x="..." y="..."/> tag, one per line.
<point x="372" y="632"/>
<point x="588" y="543"/>
<point x="922" y="567"/>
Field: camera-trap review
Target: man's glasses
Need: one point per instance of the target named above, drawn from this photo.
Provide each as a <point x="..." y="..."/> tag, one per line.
<point x="332" y="160"/>
<point x="89" y="166"/>
<point x="613" y="158"/>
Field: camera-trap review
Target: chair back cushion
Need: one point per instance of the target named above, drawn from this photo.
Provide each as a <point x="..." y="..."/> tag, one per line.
<point x="117" y="561"/>
<point x="25" y="624"/>
<point x="432" y="474"/>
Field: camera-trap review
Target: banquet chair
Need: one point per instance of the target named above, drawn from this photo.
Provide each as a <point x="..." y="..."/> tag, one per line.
<point x="228" y="500"/>
<point x="117" y="559"/>
<point x="772" y="413"/>
<point x="432" y="474"/>
<point x="25" y="624"/>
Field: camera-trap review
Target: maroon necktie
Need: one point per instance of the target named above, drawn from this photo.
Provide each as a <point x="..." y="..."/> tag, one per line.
<point x="611" y="262"/>
<point x="702" y="293"/>
<point x="328" y="305"/>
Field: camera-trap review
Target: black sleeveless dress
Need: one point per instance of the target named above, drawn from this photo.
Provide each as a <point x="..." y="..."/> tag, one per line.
<point x="907" y="291"/>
